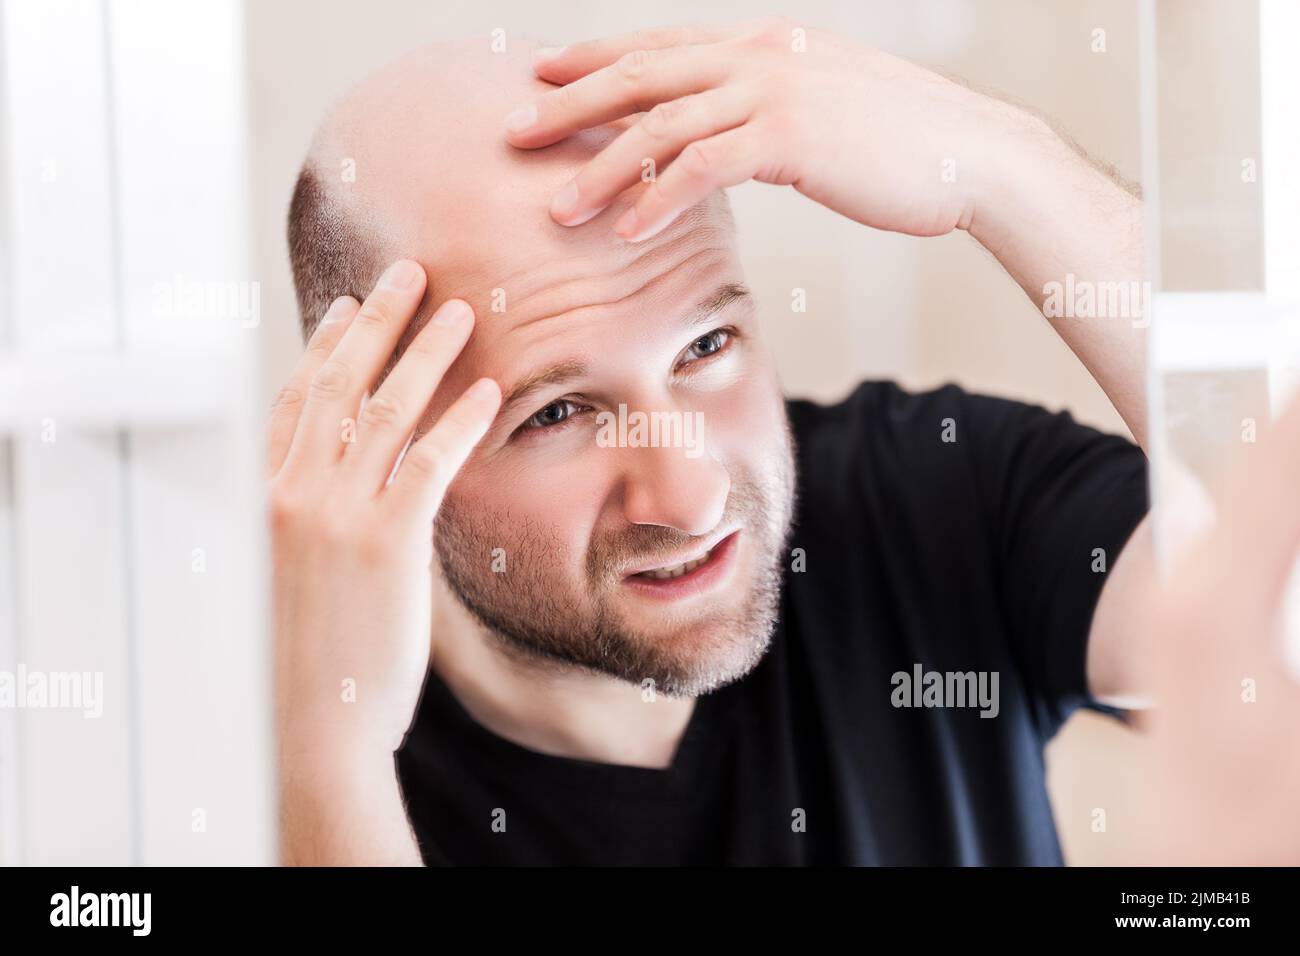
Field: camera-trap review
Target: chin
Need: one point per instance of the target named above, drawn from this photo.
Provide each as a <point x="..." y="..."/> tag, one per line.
<point x="703" y="670"/>
<point x="704" y="655"/>
<point x="699" y="639"/>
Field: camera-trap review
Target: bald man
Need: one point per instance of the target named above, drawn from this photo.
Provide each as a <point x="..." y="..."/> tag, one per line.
<point x="673" y="617"/>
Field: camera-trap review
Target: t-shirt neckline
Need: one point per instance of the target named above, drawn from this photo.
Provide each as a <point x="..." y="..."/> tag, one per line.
<point x="443" y="716"/>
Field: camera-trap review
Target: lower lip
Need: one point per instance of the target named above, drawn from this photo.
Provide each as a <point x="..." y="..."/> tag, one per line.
<point x="696" y="581"/>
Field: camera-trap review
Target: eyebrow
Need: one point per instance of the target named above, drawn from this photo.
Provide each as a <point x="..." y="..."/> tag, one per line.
<point x="570" y="369"/>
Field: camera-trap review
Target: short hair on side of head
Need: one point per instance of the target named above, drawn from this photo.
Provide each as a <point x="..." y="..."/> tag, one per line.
<point x="327" y="252"/>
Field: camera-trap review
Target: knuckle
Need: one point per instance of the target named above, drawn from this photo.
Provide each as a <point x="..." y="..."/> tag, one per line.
<point x="428" y="346"/>
<point x="699" y="161"/>
<point x="633" y="66"/>
<point x="658" y="123"/>
<point x="374" y="314"/>
<point x="427" y="463"/>
<point x="287" y="397"/>
<point x="656" y="196"/>
<point x="331" y="380"/>
<point x="382" y="411"/>
<point x="321" y="348"/>
<point x="558" y="104"/>
<point x="420" y="461"/>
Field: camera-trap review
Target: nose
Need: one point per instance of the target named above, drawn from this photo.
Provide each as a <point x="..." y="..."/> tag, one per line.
<point x="665" y="486"/>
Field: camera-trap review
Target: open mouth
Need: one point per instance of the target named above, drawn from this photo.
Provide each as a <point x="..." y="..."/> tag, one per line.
<point x="694" y="572"/>
<point x="676" y="570"/>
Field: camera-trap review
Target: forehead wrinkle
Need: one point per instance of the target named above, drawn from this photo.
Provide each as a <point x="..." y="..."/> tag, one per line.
<point x="656" y="279"/>
<point x="696" y="230"/>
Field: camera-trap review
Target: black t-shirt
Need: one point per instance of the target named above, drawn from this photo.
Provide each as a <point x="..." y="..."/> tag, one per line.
<point x="941" y="532"/>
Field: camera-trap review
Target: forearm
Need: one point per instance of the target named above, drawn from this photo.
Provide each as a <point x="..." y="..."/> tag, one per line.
<point x="1071" y="236"/>
<point x="344" y="811"/>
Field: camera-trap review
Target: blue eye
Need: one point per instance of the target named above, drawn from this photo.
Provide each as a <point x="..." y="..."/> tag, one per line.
<point x="553" y="414"/>
<point x="709" y="344"/>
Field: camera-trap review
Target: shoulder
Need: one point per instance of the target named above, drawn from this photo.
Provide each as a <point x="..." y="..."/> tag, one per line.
<point x="885" y="404"/>
<point x="886" y="448"/>
<point x="877" y="455"/>
<point x="880" y="423"/>
<point x="947" y="419"/>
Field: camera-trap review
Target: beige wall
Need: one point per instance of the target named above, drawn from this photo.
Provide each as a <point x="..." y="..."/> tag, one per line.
<point x="919" y="311"/>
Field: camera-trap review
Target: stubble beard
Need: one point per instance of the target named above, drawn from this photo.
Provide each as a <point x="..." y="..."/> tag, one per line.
<point x="536" y="622"/>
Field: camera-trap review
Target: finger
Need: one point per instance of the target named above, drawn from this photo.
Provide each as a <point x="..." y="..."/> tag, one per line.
<point x="432" y="462"/>
<point x="633" y="84"/>
<point x="720" y="161"/>
<point x="391" y="414"/>
<point x="565" y="64"/>
<point x="335" y="392"/>
<point x="660" y="135"/>
<point x="287" y="408"/>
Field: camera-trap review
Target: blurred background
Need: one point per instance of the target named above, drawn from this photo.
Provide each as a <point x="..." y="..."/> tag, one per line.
<point x="147" y="156"/>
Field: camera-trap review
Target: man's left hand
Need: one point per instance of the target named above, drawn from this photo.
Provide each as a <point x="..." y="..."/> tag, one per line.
<point x="871" y="136"/>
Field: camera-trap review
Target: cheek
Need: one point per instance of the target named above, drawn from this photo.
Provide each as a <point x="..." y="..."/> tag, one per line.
<point x="744" y="422"/>
<point x="548" y="502"/>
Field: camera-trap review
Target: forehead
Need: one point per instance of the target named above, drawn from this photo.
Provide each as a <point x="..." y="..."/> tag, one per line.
<point x="587" y="272"/>
<point x="608" y="304"/>
<point x="543" y="292"/>
<point x="439" y="183"/>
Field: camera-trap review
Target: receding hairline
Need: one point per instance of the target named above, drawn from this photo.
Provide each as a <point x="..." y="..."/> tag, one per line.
<point x="334" y="250"/>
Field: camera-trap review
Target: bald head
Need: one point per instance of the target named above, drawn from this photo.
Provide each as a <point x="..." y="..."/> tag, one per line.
<point x="413" y="162"/>
<point x="573" y="323"/>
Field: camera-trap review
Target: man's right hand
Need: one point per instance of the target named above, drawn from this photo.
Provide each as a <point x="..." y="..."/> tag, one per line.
<point x="352" y="554"/>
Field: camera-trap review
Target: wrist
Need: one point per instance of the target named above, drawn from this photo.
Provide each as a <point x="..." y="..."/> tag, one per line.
<point x="1021" y="154"/>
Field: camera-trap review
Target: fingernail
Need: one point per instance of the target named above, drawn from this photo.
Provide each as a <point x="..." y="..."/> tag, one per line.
<point x="544" y="53"/>
<point x="482" y="390"/>
<point x="402" y="274"/>
<point x="521" y="118"/>
<point x="626" y="224"/>
<point x="565" y="201"/>
<point x="451" y="312"/>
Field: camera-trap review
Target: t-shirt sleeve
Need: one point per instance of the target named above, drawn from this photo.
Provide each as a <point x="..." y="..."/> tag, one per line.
<point x="1016" y="500"/>
<point x="1061" y="501"/>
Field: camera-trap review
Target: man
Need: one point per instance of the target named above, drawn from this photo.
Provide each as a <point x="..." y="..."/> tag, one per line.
<point x="817" y="635"/>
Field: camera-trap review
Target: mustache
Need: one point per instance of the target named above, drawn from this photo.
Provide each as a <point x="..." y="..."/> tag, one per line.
<point x="611" y="554"/>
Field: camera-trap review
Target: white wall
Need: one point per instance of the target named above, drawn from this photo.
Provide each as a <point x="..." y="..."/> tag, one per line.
<point x="130" y="441"/>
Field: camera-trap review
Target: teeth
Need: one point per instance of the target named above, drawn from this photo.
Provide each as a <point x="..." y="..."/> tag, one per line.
<point x="677" y="570"/>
